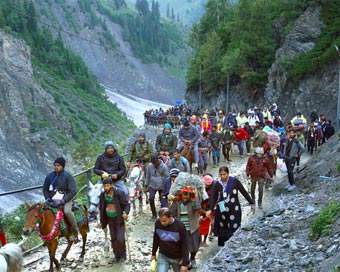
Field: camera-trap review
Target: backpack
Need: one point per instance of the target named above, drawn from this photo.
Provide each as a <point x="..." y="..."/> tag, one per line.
<point x="181" y="161"/>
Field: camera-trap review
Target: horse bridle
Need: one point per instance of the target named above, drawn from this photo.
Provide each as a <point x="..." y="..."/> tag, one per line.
<point x="92" y="203"/>
<point x="33" y="226"/>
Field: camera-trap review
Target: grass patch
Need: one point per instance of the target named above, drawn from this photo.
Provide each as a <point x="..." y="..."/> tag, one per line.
<point x="322" y="224"/>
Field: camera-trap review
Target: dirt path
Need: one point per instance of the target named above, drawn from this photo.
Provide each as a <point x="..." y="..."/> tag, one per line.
<point x="140" y="233"/>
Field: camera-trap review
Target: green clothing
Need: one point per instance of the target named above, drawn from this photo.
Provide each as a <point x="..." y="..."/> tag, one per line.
<point x="184" y="217"/>
<point x="110" y="200"/>
<point x="166" y="142"/>
<point x="301" y="138"/>
<point x="141" y="150"/>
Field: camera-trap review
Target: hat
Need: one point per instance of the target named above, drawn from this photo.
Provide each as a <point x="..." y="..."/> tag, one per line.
<point x="186" y="190"/>
<point x="107" y="144"/>
<point x="207" y="180"/>
<point x="194" y="118"/>
<point x="174" y="172"/>
<point x="274" y="104"/>
<point x="60" y="161"/>
<point x="259" y="150"/>
<point x="107" y="181"/>
<point x="167" y="125"/>
<point x="141" y="134"/>
<point x="281" y="130"/>
<point x="185" y="123"/>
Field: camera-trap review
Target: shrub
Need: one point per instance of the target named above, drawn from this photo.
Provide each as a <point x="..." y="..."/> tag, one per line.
<point x="322" y="224"/>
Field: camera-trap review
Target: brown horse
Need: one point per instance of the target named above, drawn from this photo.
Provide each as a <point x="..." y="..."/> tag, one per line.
<point x="188" y="153"/>
<point x="40" y="217"/>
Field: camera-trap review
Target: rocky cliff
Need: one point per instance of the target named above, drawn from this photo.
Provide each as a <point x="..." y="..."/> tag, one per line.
<point x="314" y="92"/>
<point x="26" y="151"/>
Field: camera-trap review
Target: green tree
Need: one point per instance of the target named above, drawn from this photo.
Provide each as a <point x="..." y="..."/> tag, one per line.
<point x="142" y="6"/>
<point x="210" y="53"/>
<point x="119" y="3"/>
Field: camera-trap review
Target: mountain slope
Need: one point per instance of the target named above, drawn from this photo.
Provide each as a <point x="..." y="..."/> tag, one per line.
<point x="115" y="67"/>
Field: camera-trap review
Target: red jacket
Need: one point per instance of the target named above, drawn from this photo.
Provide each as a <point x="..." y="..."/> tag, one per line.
<point x="240" y="134"/>
<point x="257" y="167"/>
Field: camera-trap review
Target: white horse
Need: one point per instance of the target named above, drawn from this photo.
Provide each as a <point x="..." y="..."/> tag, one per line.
<point x="93" y="199"/>
<point x="134" y="185"/>
<point x="11" y="259"/>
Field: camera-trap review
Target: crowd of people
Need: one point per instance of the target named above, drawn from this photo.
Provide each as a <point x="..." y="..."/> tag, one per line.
<point x="186" y="219"/>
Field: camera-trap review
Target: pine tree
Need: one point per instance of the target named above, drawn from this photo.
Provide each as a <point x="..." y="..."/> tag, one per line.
<point x="142" y="7"/>
<point x="168" y="10"/>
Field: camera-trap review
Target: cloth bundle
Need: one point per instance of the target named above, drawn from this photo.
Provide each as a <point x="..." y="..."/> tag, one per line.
<point x="266" y="135"/>
<point x="187" y="180"/>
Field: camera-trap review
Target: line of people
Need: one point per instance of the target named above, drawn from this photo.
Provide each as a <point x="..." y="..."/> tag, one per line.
<point x="195" y="212"/>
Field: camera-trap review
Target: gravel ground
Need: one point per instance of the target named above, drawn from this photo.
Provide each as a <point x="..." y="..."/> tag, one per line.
<point x="140" y="233"/>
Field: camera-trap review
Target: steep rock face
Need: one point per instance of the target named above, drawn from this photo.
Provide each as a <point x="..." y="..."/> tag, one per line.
<point x="314" y="92"/>
<point x="26" y="152"/>
<point x="118" y="69"/>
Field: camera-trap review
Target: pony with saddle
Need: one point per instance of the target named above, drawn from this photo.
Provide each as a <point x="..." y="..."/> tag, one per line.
<point x="188" y="153"/>
<point x="52" y="225"/>
<point x="11" y="258"/>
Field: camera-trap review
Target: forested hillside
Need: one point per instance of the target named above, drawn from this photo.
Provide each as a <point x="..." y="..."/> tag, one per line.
<point x="129" y="48"/>
<point x="184" y="11"/>
<point x="240" y="40"/>
<point x="79" y="114"/>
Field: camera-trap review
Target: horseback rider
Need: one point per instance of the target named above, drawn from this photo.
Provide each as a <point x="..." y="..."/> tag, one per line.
<point x="166" y="142"/>
<point x="141" y="150"/>
<point x="111" y="164"/>
<point x="59" y="190"/>
<point x="189" y="135"/>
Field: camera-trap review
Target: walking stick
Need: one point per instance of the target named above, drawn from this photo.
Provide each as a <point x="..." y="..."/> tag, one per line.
<point x="127" y="239"/>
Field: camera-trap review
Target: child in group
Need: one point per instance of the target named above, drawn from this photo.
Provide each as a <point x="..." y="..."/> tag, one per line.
<point x="205" y="221"/>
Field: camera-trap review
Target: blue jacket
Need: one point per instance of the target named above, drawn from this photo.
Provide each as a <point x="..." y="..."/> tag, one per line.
<point x="190" y="134"/>
<point x="63" y="182"/>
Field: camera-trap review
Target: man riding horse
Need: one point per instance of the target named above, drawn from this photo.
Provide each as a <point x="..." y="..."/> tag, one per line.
<point x="189" y="135"/>
<point x="59" y="190"/>
<point x="141" y="150"/>
<point x="111" y="164"/>
<point x="166" y="142"/>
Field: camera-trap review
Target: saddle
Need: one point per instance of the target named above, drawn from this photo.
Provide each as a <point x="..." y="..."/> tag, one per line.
<point x="79" y="214"/>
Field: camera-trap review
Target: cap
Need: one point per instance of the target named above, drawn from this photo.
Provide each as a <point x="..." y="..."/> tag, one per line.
<point x="174" y="172"/>
<point x="207" y="180"/>
<point x="107" y="144"/>
<point x="141" y="134"/>
<point x="60" y="161"/>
